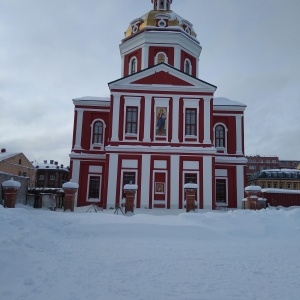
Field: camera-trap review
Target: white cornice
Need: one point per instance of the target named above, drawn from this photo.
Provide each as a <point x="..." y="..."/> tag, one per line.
<point x="74" y="155"/>
<point x="95" y="102"/>
<point x="230" y="159"/>
<point x="162" y="149"/>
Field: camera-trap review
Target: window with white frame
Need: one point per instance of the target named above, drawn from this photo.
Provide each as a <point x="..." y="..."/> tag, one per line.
<point x="220" y="138"/>
<point x="221" y="190"/>
<point x="94" y="188"/>
<point x="133" y="65"/>
<point x="131" y="120"/>
<point x="161" y="57"/>
<point x="191" y="121"/>
<point x="187" y="67"/>
<point x="98" y="132"/>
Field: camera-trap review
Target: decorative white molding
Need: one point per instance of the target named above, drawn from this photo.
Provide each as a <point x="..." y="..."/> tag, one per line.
<point x="78" y="135"/>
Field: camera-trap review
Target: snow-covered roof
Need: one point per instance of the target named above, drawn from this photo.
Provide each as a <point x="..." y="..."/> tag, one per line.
<point x="11" y="183"/>
<point x="49" y="166"/>
<point x="221" y="101"/>
<point x="191" y="186"/>
<point x="276" y="173"/>
<point x="92" y="98"/>
<point x="280" y="191"/>
<point x="253" y="188"/>
<point x="7" y="155"/>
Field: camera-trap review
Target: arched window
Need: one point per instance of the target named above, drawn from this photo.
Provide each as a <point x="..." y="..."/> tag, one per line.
<point x="98" y="133"/>
<point x="187" y="67"/>
<point x="133" y="66"/>
<point x="220" y="136"/>
<point x="161" y="58"/>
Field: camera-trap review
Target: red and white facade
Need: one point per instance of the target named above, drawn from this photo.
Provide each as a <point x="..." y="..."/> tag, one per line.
<point x="161" y="128"/>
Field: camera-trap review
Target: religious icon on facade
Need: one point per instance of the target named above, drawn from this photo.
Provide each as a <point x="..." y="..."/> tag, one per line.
<point x="159" y="188"/>
<point x="161" y="124"/>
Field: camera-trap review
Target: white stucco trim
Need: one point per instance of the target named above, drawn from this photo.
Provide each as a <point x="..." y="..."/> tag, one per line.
<point x="75" y="176"/>
<point x="174" y="179"/>
<point x="112" y="175"/>
<point x="115" y="116"/>
<point x="207" y="125"/>
<point x="240" y="185"/>
<point x="175" y="123"/>
<point x="78" y="135"/>
<point x="239" y="136"/>
<point x="145" y="188"/>
<point x="207" y="182"/>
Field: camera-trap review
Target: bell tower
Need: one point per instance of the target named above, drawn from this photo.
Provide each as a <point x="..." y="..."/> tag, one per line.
<point x="161" y="5"/>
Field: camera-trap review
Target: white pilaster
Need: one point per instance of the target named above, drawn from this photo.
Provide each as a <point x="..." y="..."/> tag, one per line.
<point x="75" y="176"/>
<point x="116" y="117"/>
<point x="239" y="185"/>
<point x="145" y="188"/>
<point x="207" y="182"/>
<point x="174" y="173"/>
<point x="239" y="137"/>
<point x="207" y="112"/>
<point x="122" y="64"/>
<point x="112" y="175"/>
<point x="145" y="56"/>
<point x="175" y="119"/>
<point x="177" y="57"/>
<point x="79" y="121"/>
<point x="147" y="118"/>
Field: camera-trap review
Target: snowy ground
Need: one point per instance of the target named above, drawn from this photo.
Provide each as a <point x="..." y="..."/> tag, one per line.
<point x="237" y="254"/>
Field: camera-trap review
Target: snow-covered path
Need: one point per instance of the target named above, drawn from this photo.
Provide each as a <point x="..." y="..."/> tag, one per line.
<point x="208" y="255"/>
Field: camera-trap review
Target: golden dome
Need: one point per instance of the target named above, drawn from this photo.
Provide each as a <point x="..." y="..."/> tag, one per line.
<point x="150" y="20"/>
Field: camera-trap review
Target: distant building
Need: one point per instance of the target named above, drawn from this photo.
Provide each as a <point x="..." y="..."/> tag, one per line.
<point x="276" y="178"/>
<point x="17" y="164"/>
<point x="50" y="175"/>
<point x="289" y="164"/>
<point x="258" y="163"/>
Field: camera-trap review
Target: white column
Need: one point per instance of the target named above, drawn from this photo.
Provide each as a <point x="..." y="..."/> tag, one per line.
<point x="239" y="185"/>
<point x="147" y="118"/>
<point x="207" y="112"/>
<point x="207" y="182"/>
<point x="75" y="176"/>
<point x="239" y="136"/>
<point x="112" y="182"/>
<point x="122" y="65"/>
<point x="145" y="188"/>
<point x="174" y="173"/>
<point x="116" y="117"/>
<point x="177" y="57"/>
<point x="77" y="145"/>
<point x="175" y="119"/>
<point x="145" y="56"/>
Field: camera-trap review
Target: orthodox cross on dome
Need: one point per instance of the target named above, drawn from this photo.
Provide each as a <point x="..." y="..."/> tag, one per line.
<point x="161" y="4"/>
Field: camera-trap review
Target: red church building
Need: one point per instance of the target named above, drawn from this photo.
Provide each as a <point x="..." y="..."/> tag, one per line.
<point x="161" y="127"/>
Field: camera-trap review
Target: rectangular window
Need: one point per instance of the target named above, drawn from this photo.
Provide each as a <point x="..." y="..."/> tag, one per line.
<point x="52" y="177"/>
<point x="295" y="186"/>
<point x="221" y="191"/>
<point x="94" y="187"/>
<point x="128" y="178"/>
<point x="288" y="185"/>
<point x="131" y="119"/>
<point x="275" y="185"/>
<point x="252" y="167"/>
<point x="190" y="121"/>
<point x="41" y="177"/>
<point x="190" y="178"/>
<point x="269" y="185"/>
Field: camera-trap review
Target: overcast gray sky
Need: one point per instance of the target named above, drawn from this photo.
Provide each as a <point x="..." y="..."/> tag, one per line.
<point x="54" y="50"/>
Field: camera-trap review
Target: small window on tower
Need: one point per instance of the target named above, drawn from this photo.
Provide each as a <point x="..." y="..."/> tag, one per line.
<point x="161" y="58"/>
<point x="133" y="65"/>
<point x="187" y="67"/>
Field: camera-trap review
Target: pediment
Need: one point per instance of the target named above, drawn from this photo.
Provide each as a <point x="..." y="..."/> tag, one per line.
<point x="162" y="76"/>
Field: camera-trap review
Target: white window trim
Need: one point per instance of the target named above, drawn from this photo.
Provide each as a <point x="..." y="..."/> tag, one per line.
<point x="191" y="104"/>
<point x="93" y="200"/>
<point x="226" y="179"/>
<point x="122" y="183"/>
<point x="224" y="149"/>
<point x="132" y="102"/>
<point x="94" y="145"/>
<point x="130" y="65"/>
<point x="198" y="183"/>
<point x="190" y="64"/>
<point x="156" y="57"/>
